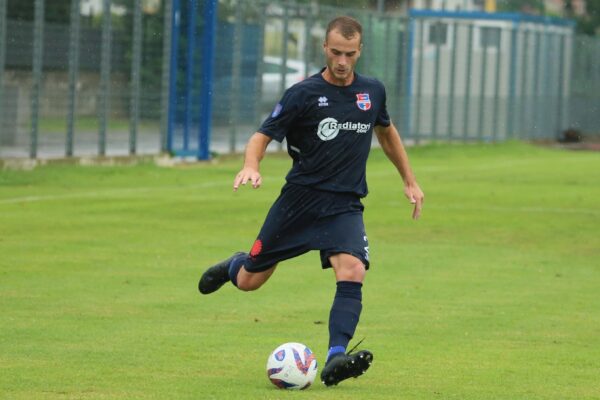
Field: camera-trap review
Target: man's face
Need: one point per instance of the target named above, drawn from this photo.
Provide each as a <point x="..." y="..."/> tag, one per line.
<point x="341" y="56"/>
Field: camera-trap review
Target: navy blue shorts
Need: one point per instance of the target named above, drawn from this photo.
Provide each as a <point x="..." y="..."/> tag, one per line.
<point x="304" y="219"/>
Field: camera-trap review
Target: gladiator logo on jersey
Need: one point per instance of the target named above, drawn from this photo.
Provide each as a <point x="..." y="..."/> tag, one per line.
<point x="363" y="101"/>
<point x="330" y="127"/>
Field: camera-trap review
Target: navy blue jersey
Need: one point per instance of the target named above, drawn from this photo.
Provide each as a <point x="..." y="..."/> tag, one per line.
<point x="328" y="129"/>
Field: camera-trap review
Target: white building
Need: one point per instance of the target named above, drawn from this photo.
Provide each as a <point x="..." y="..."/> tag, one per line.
<point x="455" y="5"/>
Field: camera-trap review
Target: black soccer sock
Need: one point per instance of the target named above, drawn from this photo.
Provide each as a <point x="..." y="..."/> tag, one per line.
<point x="235" y="265"/>
<point x="344" y="315"/>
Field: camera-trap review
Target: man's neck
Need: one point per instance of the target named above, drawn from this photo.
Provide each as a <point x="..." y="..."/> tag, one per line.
<point x="329" y="77"/>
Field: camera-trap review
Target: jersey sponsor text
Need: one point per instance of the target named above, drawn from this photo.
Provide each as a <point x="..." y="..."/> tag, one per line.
<point x="330" y="127"/>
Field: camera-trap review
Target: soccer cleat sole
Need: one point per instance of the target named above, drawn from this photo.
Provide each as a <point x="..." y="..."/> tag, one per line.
<point x="352" y="366"/>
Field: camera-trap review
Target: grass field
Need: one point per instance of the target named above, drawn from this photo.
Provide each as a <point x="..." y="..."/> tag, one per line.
<point x="493" y="294"/>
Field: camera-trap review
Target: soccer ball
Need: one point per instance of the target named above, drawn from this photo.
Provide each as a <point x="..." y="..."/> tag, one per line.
<point x="292" y="366"/>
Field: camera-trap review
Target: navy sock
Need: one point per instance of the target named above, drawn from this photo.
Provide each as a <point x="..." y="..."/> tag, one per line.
<point x="235" y="265"/>
<point x="344" y="315"/>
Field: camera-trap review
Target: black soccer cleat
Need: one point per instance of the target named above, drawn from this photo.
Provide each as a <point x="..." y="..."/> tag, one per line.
<point x="216" y="276"/>
<point x="342" y="366"/>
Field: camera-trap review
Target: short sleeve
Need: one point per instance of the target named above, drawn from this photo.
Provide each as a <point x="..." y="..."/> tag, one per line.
<point x="383" y="118"/>
<point x="283" y="116"/>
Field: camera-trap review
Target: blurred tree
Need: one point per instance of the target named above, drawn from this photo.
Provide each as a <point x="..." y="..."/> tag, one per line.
<point x="55" y="11"/>
<point x="364" y="4"/>
<point x="525" y="6"/>
<point x="588" y="24"/>
<point x="345" y="3"/>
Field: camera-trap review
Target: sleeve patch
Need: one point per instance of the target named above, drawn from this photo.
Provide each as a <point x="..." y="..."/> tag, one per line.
<point x="276" y="110"/>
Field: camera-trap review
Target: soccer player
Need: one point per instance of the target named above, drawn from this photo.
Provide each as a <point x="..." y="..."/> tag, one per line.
<point x="328" y="120"/>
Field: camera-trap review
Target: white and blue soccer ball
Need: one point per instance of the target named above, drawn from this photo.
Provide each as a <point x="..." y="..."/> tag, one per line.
<point x="292" y="366"/>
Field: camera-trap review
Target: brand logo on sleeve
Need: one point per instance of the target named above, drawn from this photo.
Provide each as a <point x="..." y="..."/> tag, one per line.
<point x="276" y="110"/>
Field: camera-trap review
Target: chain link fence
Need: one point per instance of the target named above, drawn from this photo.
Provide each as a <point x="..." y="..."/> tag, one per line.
<point x="116" y="77"/>
<point x="80" y="77"/>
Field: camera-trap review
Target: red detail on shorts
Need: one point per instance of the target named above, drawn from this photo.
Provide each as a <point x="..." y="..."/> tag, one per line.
<point x="256" y="248"/>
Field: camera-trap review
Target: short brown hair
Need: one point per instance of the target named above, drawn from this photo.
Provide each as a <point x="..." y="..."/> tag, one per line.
<point x="347" y="26"/>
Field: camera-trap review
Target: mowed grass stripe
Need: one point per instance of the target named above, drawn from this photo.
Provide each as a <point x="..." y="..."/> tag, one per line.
<point x="491" y="295"/>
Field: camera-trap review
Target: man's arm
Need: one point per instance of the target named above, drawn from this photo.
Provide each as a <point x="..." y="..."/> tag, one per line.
<point x="255" y="151"/>
<point x="392" y="146"/>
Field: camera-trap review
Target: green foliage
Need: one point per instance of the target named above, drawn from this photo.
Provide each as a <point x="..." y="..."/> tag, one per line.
<point x="493" y="294"/>
<point x="528" y="6"/>
<point x="589" y="24"/>
<point x="58" y="11"/>
<point x="345" y="3"/>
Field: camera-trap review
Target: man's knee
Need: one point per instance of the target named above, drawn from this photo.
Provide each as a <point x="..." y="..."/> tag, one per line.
<point x="354" y="272"/>
<point x="349" y="268"/>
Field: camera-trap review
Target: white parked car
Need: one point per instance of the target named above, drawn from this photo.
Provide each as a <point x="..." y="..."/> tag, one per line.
<point x="271" y="77"/>
<point x="271" y="91"/>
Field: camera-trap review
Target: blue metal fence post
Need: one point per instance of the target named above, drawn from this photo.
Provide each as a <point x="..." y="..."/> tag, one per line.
<point x="189" y="72"/>
<point x="208" y="55"/>
<point x="175" y="24"/>
<point x="165" y="89"/>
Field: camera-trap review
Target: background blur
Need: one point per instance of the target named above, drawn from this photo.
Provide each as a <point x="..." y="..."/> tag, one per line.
<point x="197" y="77"/>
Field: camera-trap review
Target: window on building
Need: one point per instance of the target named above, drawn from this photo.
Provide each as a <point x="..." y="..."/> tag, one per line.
<point x="489" y="37"/>
<point x="438" y="33"/>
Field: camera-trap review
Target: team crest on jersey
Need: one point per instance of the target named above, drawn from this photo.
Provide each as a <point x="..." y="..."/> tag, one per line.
<point x="363" y="101"/>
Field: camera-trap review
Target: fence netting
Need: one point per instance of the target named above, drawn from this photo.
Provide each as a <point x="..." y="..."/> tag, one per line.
<point x="118" y="77"/>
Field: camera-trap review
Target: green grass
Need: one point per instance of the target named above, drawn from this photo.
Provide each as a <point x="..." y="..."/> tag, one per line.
<point x="493" y="294"/>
